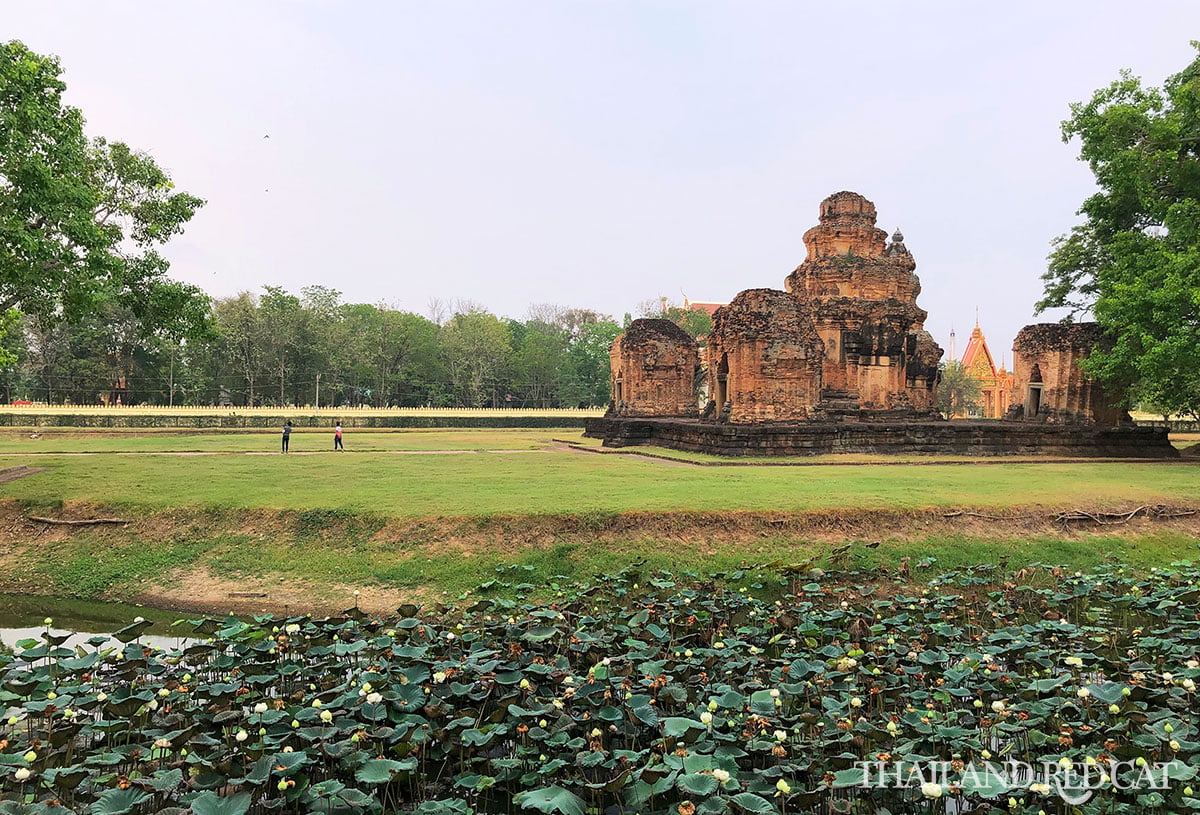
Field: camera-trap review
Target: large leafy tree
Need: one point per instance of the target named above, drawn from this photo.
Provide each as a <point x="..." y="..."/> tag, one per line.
<point x="1134" y="262"/>
<point x="475" y="346"/>
<point x="80" y="219"/>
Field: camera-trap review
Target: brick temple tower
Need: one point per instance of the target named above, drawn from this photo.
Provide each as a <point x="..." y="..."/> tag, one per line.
<point x="863" y="292"/>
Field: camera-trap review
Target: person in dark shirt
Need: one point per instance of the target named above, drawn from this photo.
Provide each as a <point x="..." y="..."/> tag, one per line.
<point x="287" y="433"/>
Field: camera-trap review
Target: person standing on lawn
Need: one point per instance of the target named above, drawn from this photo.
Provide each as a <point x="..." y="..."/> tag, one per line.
<point x="337" y="438"/>
<point x="287" y="434"/>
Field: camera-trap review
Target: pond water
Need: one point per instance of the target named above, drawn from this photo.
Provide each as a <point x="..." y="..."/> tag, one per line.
<point x="23" y="616"/>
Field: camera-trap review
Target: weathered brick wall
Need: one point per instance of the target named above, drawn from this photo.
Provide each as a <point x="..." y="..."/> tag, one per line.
<point x="923" y="355"/>
<point x="654" y="367"/>
<point x="765" y="358"/>
<point x="1048" y="354"/>
<point x="985" y="438"/>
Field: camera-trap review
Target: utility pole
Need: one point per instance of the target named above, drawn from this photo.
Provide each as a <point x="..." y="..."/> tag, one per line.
<point x="171" y="395"/>
<point x="317" y="411"/>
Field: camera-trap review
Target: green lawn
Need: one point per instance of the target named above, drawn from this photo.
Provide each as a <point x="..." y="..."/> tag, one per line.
<point x="303" y="440"/>
<point x="565" y="482"/>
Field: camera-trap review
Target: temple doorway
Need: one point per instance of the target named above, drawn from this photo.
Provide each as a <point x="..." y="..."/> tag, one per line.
<point x="722" y="391"/>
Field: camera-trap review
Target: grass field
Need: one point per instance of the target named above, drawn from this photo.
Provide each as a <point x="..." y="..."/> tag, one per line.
<point x="303" y="440"/>
<point x="308" y="529"/>
<point x="541" y="481"/>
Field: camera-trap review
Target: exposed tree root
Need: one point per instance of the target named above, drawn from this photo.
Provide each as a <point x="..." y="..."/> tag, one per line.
<point x="82" y="522"/>
<point x="1157" y="511"/>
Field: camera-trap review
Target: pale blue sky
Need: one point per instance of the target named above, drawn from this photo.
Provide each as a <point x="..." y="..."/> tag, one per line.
<point x="599" y="154"/>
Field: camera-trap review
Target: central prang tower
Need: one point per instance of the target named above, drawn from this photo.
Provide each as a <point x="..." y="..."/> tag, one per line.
<point x="862" y="293"/>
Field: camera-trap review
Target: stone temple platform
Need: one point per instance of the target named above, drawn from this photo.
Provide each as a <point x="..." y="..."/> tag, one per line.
<point x="978" y="438"/>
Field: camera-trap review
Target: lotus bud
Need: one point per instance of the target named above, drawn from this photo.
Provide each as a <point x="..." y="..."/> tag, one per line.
<point x="783" y="787"/>
<point x="30" y="757"/>
<point x="49" y="621"/>
<point x="22" y="774"/>
<point x="326" y="716"/>
<point x="282" y="785"/>
<point x="1114" y="709"/>
<point x="931" y="790"/>
<point x="261" y="707"/>
<point x="241" y="735"/>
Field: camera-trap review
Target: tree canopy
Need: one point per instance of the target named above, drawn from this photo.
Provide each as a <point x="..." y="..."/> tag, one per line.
<point x="81" y="219"/>
<point x="958" y="392"/>
<point x="278" y="348"/>
<point x="1134" y="262"/>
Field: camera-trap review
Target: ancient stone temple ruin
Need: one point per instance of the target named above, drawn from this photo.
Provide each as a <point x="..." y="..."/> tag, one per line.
<point x="765" y="358"/>
<point x="654" y="365"/>
<point x="862" y="292"/>
<point x="1048" y="384"/>
<point x="841" y="362"/>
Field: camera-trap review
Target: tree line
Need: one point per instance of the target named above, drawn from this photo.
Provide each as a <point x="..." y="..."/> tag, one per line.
<point x="276" y="348"/>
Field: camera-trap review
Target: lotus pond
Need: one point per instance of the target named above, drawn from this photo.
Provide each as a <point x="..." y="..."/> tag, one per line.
<point x="757" y="691"/>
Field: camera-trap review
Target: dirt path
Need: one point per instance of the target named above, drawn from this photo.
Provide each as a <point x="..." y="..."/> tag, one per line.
<point x="881" y="460"/>
<point x="13" y="473"/>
